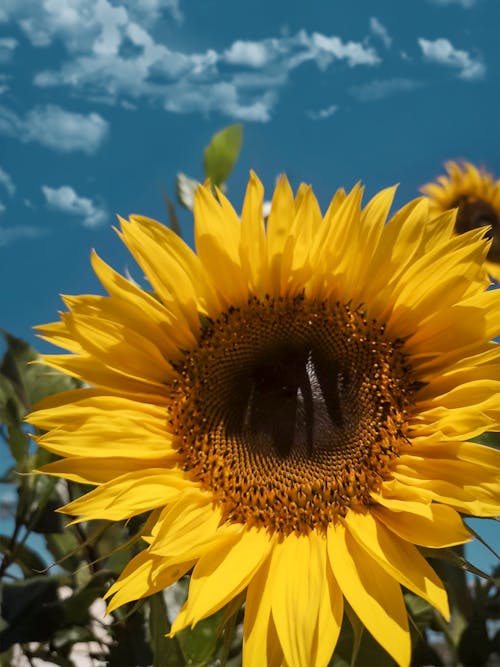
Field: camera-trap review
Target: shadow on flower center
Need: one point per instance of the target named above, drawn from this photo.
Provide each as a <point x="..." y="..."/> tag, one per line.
<point x="291" y="411"/>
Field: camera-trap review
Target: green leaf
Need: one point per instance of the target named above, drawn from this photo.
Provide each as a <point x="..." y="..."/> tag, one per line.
<point x="222" y="152"/>
<point x="28" y="382"/>
<point x="492" y="439"/>
<point x="15" y="361"/>
<point x="166" y="650"/>
<point x="76" y="607"/>
<point x="449" y="555"/>
<point x="27" y="559"/>
<point x="199" y="644"/>
<point x="32" y="610"/>
<point x="65" y="548"/>
<point x="11" y="408"/>
<point x="369" y="652"/>
<point x="475" y="646"/>
<point x="420" y="611"/>
<point x="47" y="520"/>
<point x="17" y="440"/>
<point x="131" y="648"/>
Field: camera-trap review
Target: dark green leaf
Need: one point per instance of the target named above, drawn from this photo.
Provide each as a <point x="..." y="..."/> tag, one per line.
<point x="65" y="549"/>
<point x="491" y="439"/>
<point x="32" y="610"/>
<point x="47" y="520"/>
<point x="475" y="646"/>
<point x="222" y="152"/>
<point x="17" y="439"/>
<point x="66" y="637"/>
<point x="370" y="653"/>
<point x="420" y="611"/>
<point x="11" y="408"/>
<point x="14" y="364"/>
<point x="166" y="650"/>
<point x="131" y="648"/>
<point x="76" y="607"/>
<point x="27" y="559"/>
<point x="42" y="381"/>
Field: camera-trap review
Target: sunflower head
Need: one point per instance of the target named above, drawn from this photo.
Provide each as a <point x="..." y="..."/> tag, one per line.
<point x="293" y="408"/>
<point x="476" y="195"/>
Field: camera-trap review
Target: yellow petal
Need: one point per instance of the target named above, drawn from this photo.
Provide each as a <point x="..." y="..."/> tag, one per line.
<point x="88" y="470"/>
<point x="261" y="644"/>
<point x="143" y="575"/>
<point x="186" y="526"/>
<point x="400" y="559"/>
<point x="253" y="248"/>
<point x="222" y="573"/>
<point x="128" y="495"/>
<point x="444" y="529"/>
<point x="373" y="594"/>
<point x="301" y="600"/>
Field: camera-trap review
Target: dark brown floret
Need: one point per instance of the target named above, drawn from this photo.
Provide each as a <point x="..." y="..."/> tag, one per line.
<point x="291" y="411"/>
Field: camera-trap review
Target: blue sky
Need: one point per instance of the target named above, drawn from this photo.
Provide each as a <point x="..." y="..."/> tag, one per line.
<point x="101" y="103"/>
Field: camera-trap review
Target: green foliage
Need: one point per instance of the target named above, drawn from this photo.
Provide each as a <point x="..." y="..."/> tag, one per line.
<point x="222" y="152"/>
<point x="220" y="156"/>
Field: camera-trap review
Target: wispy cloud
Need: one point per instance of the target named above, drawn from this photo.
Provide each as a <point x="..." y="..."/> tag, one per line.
<point x="112" y="54"/>
<point x="442" y="52"/>
<point x="322" y="114"/>
<point x="380" y="31"/>
<point x="466" y="4"/>
<point x="64" y="199"/>
<point x="55" y="128"/>
<point x="22" y="232"/>
<point x="378" y="89"/>
<point x="149" y="11"/>
<point x="7" y="182"/>
<point x="7" y="48"/>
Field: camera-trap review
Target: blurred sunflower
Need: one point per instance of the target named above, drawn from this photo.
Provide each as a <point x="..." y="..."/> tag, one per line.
<point x="476" y="194"/>
<point x="293" y="407"/>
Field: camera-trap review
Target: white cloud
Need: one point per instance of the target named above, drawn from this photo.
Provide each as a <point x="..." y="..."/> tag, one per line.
<point x="321" y="114"/>
<point x="441" y="51"/>
<point x="7" y="48"/>
<point x="325" y="49"/>
<point x="251" y="54"/>
<point x="65" y="200"/>
<point x="378" y="89"/>
<point x="7" y="182"/>
<point x="55" y="128"/>
<point x="243" y="81"/>
<point x="466" y="4"/>
<point x="380" y="31"/>
<point x="10" y="234"/>
<point x="112" y="55"/>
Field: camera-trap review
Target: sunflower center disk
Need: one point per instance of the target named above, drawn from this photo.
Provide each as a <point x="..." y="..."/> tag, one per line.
<point x="291" y="411"/>
<point x="474" y="213"/>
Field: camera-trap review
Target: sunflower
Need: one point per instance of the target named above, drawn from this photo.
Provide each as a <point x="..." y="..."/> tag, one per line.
<point x="476" y="194"/>
<point x="293" y="406"/>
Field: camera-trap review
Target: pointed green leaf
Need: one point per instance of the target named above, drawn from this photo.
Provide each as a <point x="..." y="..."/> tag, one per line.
<point x="222" y="152"/>
<point x="166" y="650"/>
